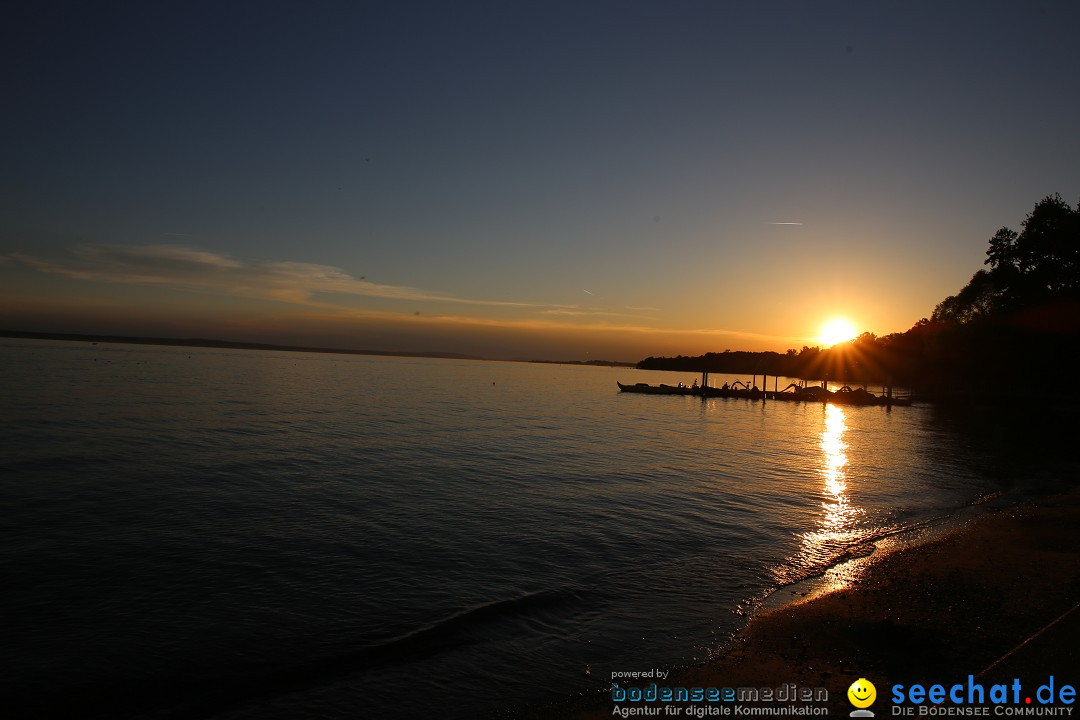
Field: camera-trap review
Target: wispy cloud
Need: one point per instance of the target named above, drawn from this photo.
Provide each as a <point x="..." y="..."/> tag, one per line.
<point x="584" y="312"/>
<point x="313" y="287"/>
<point x="601" y="326"/>
<point x="180" y="266"/>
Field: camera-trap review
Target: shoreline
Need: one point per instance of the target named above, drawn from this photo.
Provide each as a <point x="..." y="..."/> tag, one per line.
<point x="993" y="597"/>
<point x="841" y="574"/>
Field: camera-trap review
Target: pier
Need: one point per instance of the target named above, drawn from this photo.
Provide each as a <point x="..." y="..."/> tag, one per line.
<point x="845" y="395"/>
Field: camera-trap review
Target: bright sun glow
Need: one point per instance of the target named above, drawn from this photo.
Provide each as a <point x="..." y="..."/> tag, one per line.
<point x="835" y="331"/>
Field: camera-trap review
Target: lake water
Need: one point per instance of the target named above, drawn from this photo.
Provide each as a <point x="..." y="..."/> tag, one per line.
<point x="191" y="532"/>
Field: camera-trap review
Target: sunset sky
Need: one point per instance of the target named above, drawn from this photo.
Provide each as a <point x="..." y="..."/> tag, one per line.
<point x="552" y="180"/>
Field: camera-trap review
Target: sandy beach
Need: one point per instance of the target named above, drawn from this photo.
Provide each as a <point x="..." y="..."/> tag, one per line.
<point x="995" y="597"/>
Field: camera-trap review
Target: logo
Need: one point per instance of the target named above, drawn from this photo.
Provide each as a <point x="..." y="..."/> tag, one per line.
<point x="862" y="695"/>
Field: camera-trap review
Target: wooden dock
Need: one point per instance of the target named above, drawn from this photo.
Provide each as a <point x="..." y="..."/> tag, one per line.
<point x="845" y="395"/>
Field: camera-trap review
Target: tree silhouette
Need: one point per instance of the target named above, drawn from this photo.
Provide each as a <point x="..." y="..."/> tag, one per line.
<point x="1038" y="266"/>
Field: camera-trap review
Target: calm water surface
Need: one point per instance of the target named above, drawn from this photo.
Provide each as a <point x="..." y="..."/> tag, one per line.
<point x="237" y="534"/>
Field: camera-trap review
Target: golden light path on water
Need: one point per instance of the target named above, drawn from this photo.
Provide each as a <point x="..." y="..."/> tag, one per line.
<point x="837" y="533"/>
<point x="839" y="514"/>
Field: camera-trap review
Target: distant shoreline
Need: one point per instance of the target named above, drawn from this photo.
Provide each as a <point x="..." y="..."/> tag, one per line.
<point x="231" y="345"/>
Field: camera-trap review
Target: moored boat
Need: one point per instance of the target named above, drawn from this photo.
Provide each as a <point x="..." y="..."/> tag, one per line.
<point x="655" y="389"/>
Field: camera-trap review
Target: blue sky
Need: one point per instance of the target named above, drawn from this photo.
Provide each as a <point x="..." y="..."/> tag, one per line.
<point x="546" y="179"/>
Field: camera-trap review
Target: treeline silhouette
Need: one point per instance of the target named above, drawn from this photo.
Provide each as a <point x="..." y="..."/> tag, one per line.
<point x="1012" y="331"/>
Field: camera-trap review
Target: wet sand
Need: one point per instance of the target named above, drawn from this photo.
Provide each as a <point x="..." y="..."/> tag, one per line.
<point x="931" y="613"/>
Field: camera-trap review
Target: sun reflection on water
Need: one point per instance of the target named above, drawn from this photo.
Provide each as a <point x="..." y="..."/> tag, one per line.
<point x="836" y="533"/>
<point x="839" y="513"/>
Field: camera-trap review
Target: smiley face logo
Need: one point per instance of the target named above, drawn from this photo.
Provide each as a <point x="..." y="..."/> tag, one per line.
<point x="862" y="693"/>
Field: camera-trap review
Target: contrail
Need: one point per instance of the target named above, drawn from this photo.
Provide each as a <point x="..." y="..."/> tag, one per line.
<point x="585" y="291"/>
<point x="783" y="223"/>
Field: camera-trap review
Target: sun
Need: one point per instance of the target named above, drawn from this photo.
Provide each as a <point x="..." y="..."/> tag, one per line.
<point x="835" y="331"/>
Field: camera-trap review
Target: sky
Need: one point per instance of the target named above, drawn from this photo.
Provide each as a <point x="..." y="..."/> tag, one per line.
<point x="565" y="181"/>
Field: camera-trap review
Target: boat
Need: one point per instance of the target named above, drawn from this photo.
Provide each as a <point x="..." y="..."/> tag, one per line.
<point x="858" y="396"/>
<point x="844" y="396"/>
<point x="660" y="389"/>
<point x="747" y="393"/>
